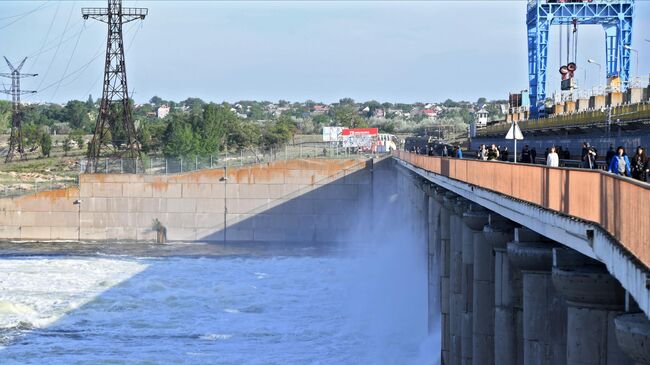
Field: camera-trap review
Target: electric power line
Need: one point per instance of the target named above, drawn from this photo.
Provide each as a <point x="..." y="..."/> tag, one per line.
<point x="21" y="16"/>
<point x="47" y="34"/>
<point x="57" y="49"/>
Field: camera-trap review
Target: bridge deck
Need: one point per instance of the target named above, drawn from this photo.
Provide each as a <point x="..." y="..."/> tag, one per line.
<point x="620" y="206"/>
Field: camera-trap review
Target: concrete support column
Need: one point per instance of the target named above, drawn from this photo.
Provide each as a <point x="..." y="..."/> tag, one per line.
<point x="434" y="260"/>
<point x="594" y="299"/>
<point x="633" y="335"/>
<point x="447" y="201"/>
<point x="544" y="312"/>
<point x="507" y="331"/>
<point x="456" y="303"/>
<point x="482" y="291"/>
<point x="467" y="284"/>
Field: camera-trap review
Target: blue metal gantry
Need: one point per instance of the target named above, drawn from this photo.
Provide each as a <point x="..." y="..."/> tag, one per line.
<point x="614" y="15"/>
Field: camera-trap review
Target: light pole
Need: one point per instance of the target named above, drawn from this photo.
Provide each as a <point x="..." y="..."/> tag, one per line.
<point x="78" y="204"/>
<point x="637" y="59"/>
<point x="599" y="69"/>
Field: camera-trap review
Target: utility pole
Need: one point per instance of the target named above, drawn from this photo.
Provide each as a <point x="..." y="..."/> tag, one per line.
<point x="16" y="139"/>
<point x="115" y="90"/>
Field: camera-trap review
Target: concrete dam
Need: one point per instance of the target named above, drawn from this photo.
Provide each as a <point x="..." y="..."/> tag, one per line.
<point x="524" y="264"/>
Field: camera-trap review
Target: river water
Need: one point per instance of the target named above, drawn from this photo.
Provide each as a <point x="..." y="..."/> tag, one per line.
<point x="211" y="304"/>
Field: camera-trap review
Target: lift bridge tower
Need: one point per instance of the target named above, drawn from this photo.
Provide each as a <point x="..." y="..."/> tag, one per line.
<point x="614" y="15"/>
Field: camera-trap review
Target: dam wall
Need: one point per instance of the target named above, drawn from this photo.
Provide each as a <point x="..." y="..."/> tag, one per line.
<point x="310" y="200"/>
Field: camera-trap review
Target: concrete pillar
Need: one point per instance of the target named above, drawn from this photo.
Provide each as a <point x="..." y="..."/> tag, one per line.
<point x="448" y="201"/>
<point x="544" y="313"/>
<point x="597" y="102"/>
<point x="434" y="260"/>
<point x="482" y="308"/>
<point x="508" y="330"/>
<point x="467" y="282"/>
<point x="456" y="303"/>
<point x="614" y="98"/>
<point x="594" y="299"/>
<point x="633" y="335"/>
<point x="583" y="104"/>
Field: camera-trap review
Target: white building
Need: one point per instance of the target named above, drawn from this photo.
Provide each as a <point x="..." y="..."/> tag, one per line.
<point x="162" y="111"/>
<point x="481" y="118"/>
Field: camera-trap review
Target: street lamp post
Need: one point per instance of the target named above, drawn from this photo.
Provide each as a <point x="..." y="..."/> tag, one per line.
<point x="78" y="204"/>
<point x="599" y="69"/>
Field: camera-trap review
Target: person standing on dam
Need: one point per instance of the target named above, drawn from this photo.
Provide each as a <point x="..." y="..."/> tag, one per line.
<point x="552" y="159"/>
<point x="620" y="164"/>
<point x="493" y="153"/>
<point x="640" y="165"/>
<point x="525" y="155"/>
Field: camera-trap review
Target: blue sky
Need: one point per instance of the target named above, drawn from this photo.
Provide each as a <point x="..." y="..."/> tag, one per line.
<point x="399" y="51"/>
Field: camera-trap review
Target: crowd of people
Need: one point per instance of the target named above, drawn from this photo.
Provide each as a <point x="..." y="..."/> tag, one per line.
<point x="616" y="159"/>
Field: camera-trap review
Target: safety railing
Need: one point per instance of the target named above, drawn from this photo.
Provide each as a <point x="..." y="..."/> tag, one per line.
<point x="621" y="206"/>
<point x="172" y="165"/>
<point x="623" y="113"/>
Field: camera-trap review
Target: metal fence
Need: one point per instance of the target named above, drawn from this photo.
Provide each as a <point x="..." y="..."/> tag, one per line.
<point x="172" y="165"/>
<point x="166" y="165"/>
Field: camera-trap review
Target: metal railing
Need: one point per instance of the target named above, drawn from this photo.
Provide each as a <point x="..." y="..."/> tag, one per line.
<point x="172" y="165"/>
<point x="617" y="204"/>
<point x="623" y="113"/>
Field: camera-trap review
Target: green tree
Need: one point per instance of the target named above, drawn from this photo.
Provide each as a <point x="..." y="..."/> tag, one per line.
<point x="46" y="144"/>
<point x="77" y="136"/>
<point x="347" y="116"/>
<point x="156" y="100"/>
<point x="66" y="145"/>
<point x="31" y="134"/>
<point x="346" y="101"/>
<point x="279" y="133"/>
<point x="217" y="121"/>
<point x="179" y="139"/>
<point x="90" y="103"/>
<point x="76" y="113"/>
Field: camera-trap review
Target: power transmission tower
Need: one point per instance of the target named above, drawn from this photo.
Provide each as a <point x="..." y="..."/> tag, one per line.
<point x="115" y="90"/>
<point x="16" y="139"/>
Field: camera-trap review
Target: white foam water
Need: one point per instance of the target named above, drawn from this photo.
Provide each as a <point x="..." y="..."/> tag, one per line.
<point x="218" y="310"/>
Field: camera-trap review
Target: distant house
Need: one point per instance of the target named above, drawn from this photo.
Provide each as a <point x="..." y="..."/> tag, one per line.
<point x="162" y="111"/>
<point x="395" y="112"/>
<point x="378" y="113"/>
<point x="481" y="118"/>
<point x="320" y="109"/>
<point x="429" y="113"/>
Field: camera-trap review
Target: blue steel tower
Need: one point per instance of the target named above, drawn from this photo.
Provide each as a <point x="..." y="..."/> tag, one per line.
<point x="614" y="15"/>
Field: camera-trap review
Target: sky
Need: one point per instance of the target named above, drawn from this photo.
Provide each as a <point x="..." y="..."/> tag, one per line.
<point x="396" y="51"/>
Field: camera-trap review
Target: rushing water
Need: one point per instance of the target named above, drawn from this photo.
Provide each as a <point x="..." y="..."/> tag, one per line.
<point x="206" y="304"/>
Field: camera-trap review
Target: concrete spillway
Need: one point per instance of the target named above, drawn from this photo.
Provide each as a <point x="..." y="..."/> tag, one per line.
<point x="507" y="282"/>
